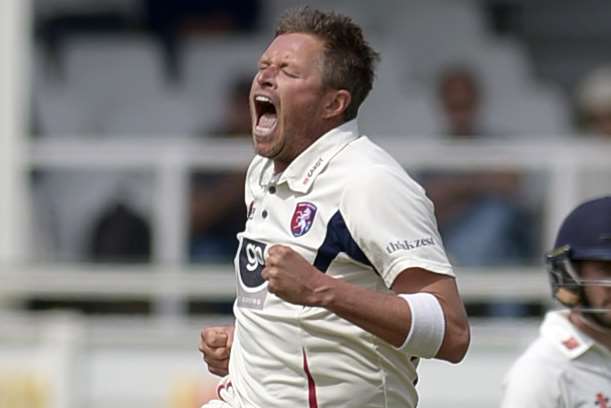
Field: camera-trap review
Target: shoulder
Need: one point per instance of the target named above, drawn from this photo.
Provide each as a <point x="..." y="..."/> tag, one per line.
<point x="535" y="378"/>
<point x="543" y="357"/>
<point x="369" y="169"/>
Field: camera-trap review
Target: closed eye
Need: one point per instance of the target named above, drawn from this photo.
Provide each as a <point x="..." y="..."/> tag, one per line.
<point x="290" y="74"/>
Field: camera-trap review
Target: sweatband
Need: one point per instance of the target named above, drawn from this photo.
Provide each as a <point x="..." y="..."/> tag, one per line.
<point x="428" y="325"/>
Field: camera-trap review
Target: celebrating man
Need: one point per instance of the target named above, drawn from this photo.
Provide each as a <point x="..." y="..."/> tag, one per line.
<point x="342" y="280"/>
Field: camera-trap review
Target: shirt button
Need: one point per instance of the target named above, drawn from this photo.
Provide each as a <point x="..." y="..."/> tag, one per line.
<point x="272" y="190"/>
<point x="264" y="214"/>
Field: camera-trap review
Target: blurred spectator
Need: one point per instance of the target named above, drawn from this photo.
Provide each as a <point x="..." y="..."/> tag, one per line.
<point x="180" y="16"/>
<point x="460" y="99"/>
<point x="594" y="102"/>
<point x="217" y="199"/>
<point x="56" y="21"/>
<point x="120" y="235"/>
<point x="170" y="20"/>
<point x="236" y="121"/>
<point x="167" y="20"/>
<point x="594" y="118"/>
<point x="478" y="216"/>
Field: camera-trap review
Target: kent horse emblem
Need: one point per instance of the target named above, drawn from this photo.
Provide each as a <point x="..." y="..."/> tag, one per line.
<point x="303" y="218"/>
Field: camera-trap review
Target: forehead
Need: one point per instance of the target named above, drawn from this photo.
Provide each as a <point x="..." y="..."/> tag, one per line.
<point x="294" y="46"/>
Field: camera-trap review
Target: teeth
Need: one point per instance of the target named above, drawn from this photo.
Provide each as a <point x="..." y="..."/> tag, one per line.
<point x="261" y="98"/>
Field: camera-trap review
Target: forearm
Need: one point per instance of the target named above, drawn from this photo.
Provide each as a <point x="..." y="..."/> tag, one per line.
<point x="382" y="314"/>
<point x="386" y="315"/>
<point x="389" y="317"/>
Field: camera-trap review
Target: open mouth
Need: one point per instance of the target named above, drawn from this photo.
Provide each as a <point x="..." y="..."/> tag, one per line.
<point x="267" y="116"/>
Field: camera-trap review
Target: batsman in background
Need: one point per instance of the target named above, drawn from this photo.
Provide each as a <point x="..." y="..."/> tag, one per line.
<point x="569" y="365"/>
<point x="342" y="280"/>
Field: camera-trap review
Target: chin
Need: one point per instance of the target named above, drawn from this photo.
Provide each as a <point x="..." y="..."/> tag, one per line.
<point x="265" y="150"/>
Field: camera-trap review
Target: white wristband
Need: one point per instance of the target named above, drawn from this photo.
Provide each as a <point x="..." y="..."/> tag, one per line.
<point x="428" y="325"/>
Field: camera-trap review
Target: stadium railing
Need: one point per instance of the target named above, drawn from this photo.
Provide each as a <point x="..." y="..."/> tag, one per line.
<point x="171" y="280"/>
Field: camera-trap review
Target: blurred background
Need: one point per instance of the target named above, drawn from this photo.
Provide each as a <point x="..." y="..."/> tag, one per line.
<point x="124" y="137"/>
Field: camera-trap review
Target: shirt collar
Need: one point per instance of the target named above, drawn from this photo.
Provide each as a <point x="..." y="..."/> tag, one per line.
<point x="305" y="168"/>
<point x="571" y="341"/>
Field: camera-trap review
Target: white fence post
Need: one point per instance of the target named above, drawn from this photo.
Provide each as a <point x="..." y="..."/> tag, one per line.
<point x="15" y="18"/>
<point x="60" y="358"/>
<point x="170" y="232"/>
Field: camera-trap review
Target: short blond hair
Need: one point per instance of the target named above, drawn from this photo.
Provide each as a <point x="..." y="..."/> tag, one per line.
<point x="349" y="62"/>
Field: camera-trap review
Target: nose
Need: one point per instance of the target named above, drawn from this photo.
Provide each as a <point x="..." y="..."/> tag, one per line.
<point x="266" y="77"/>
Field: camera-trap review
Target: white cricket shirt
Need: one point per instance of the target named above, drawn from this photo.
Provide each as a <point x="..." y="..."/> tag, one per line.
<point x="351" y="210"/>
<point x="563" y="368"/>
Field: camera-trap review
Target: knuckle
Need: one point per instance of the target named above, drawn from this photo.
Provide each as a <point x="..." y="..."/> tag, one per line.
<point x="207" y="334"/>
<point x="220" y="353"/>
<point x="216" y="371"/>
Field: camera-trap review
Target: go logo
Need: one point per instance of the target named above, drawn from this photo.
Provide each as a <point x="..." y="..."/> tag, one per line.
<point x="252" y="262"/>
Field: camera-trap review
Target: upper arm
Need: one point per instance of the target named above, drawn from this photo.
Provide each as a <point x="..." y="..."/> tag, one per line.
<point x="393" y="223"/>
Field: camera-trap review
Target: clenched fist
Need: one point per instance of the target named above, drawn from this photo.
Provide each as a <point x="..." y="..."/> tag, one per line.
<point x="292" y="278"/>
<point x="215" y="345"/>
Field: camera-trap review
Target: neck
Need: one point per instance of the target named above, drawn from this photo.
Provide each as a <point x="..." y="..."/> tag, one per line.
<point x="600" y="334"/>
<point x="302" y="143"/>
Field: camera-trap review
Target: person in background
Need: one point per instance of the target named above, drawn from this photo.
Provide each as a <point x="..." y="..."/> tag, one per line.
<point x="479" y="218"/>
<point x="171" y="21"/>
<point x="594" y="103"/>
<point x="120" y="234"/>
<point x="460" y="97"/>
<point x="569" y="365"/>
<point x="216" y="204"/>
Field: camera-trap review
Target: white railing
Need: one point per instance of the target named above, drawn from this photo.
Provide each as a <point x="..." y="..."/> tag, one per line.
<point x="168" y="281"/>
<point x="170" y="159"/>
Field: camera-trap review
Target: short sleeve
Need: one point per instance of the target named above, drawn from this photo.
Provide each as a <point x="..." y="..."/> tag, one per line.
<point x="393" y="223"/>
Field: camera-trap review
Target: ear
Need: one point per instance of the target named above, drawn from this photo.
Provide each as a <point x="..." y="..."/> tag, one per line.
<point x="336" y="102"/>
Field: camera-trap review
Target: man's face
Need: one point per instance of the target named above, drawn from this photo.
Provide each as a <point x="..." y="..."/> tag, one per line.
<point x="460" y="102"/>
<point x="598" y="296"/>
<point x="285" y="97"/>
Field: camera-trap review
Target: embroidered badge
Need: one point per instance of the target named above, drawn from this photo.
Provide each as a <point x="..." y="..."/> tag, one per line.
<point x="571" y="343"/>
<point x="303" y="218"/>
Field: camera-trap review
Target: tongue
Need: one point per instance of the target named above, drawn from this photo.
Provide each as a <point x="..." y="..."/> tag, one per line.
<point x="267" y="120"/>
